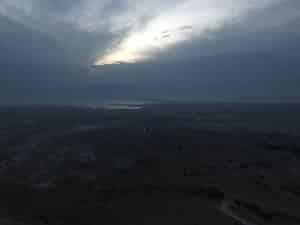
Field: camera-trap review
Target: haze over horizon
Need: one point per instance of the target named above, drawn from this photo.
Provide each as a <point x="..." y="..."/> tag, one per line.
<point x="77" y="52"/>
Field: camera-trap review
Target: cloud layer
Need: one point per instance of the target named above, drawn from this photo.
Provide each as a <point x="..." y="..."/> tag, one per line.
<point x="130" y="30"/>
<point x="48" y="46"/>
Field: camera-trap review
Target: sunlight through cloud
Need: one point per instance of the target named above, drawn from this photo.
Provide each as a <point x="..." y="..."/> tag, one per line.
<point x="173" y="27"/>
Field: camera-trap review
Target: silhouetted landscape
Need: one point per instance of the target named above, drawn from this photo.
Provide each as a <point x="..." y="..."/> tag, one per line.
<point x="163" y="163"/>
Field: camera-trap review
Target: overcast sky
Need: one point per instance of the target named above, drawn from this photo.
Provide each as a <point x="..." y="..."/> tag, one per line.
<point x="206" y="50"/>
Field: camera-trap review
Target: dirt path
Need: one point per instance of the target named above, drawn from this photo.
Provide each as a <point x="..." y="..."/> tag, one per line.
<point x="225" y="209"/>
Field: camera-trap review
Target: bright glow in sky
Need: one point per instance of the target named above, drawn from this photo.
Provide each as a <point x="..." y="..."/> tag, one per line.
<point x="188" y="20"/>
<point x="116" y="31"/>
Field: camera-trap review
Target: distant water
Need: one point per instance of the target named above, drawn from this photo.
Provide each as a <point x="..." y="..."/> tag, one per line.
<point x="121" y="104"/>
<point x="263" y="117"/>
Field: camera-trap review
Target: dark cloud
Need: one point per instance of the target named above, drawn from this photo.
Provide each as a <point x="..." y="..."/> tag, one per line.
<point x="58" y="5"/>
<point x="47" y="47"/>
<point x="257" y="33"/>
<point x="184" y="28"/>
<point x="20" y="44"/>
<point x="166" y="36"/>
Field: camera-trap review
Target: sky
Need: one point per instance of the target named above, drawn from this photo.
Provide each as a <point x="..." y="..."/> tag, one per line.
<point x="86" y="51"/>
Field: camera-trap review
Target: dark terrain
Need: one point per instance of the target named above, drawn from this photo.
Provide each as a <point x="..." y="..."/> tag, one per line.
<point x="161" y="164"/>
